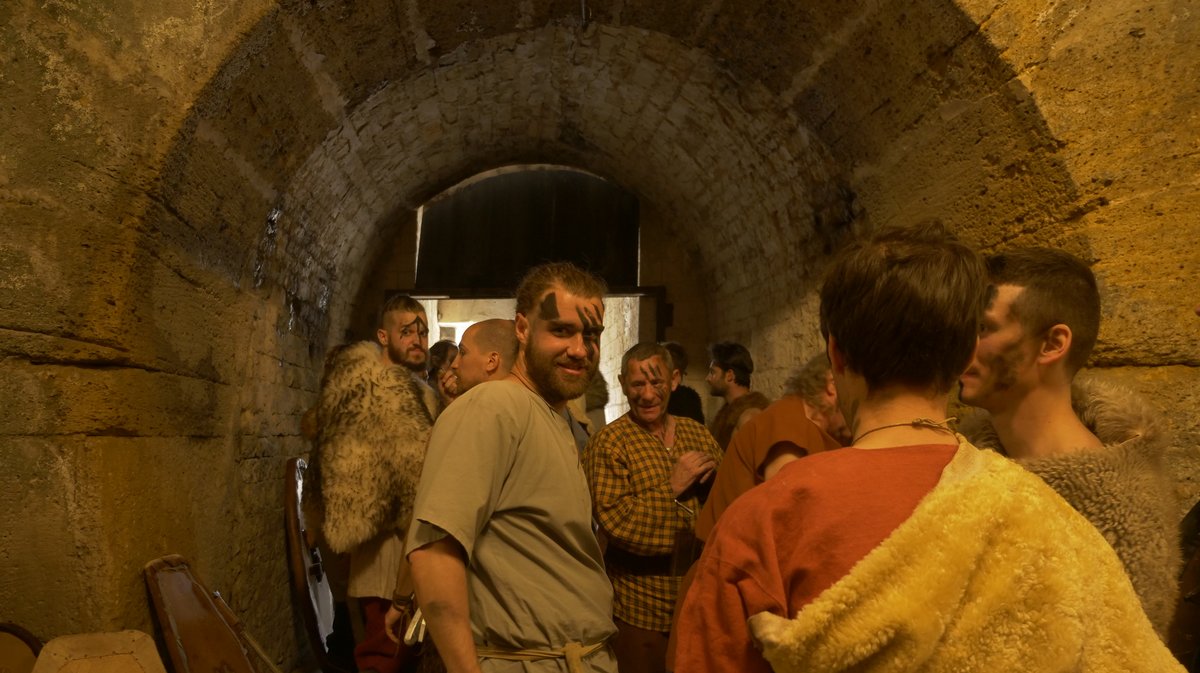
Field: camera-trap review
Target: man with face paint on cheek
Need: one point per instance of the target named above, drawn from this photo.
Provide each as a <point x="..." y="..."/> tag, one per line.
<point x="643" y="469"/>
<point x="1101" y="446"/>
<point x="508" y="572"/>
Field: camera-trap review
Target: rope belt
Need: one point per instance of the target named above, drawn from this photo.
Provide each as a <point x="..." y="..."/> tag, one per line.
<point x="572" y="652"/>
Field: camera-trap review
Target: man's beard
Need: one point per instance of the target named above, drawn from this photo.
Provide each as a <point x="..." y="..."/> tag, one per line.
<point x="406" y="358"/>
<point x="552" y="384"/>
<point x="1003" y="369"/>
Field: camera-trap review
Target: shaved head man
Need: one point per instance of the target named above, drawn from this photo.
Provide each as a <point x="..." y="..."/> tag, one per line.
<point x="486" y="352"/>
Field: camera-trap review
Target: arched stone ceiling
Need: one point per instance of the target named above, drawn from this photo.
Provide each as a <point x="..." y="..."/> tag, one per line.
<point x="750" y="126"/>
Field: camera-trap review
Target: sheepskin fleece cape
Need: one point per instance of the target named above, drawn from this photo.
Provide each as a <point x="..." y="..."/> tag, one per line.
<point x="373" y="424"/>
<point x="992" y="572"/>
<point x="1123" y="489"/>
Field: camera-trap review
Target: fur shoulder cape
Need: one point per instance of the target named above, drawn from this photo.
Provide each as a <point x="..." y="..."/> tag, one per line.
<point x="992" y="572"/>
<point x="372" y="427"/>
<point x="1123" y="489"/>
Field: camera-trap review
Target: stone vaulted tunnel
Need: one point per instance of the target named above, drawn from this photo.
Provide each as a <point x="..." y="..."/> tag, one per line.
<point x="198" y="198"/>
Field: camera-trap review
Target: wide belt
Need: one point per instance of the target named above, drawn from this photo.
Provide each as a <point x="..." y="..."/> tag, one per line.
<point x="629" y="563"/>
<point x="572" y="652"/>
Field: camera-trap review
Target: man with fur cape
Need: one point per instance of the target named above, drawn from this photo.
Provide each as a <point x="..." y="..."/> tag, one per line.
<point x="373" y="419"/>
<point x="1099" y="446"/>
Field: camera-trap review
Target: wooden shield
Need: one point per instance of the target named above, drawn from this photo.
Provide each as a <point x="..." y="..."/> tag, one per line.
<point x="200" y="634"/>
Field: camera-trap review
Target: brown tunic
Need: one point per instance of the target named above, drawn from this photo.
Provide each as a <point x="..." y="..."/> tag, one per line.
<point x="726" y="420"/>
<point x="741" y="470"/>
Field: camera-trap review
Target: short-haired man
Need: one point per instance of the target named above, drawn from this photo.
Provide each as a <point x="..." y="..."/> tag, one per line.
<point x="372" y="420"/>
<point x="813" y="384"/>
<point x="641" y="469"/>
<point x="729" y="370"/>
<point x="486" y="352"/>
<point x="403" y="332"/>
<point x="504" y="560"/>
<point x="1099" y="446"/>
<point x="911" y="550"/>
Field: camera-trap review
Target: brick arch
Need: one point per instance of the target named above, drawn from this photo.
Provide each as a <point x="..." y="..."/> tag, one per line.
<point x="752" y="147"/>
<point x="696" y="156"/>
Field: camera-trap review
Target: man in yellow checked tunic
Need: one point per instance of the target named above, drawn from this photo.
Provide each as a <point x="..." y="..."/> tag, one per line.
<point x="646" y="471"/>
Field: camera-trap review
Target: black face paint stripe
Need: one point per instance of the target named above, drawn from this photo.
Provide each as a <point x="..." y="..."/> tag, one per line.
<point x="419" y="321"/>
<point x="652" y="372"/>
<point x="589" y="321"/>
<point x="589" y="316"/>
<point x="549" y="307"/>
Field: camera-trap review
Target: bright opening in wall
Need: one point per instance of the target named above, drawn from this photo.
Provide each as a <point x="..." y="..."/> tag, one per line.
<point x="477" y="239"/>
<point x="449" y="318"/>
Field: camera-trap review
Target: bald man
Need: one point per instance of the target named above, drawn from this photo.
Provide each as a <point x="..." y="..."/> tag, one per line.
<point x="486" y="353"/>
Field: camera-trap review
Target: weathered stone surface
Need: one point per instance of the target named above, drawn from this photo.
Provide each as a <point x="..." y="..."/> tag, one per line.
<point x="1150" y="276"/>
<point x="47" y="523"/>
<point x="352" y="46"/>
<point x="119" y="652"/>
<point x="1175" y="392"/>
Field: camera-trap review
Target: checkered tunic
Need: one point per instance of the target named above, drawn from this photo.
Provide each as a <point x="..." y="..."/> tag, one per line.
<point x="628" y="471"/>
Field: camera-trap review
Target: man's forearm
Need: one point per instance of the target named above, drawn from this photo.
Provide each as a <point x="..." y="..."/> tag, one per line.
<point x="440" y="576"/>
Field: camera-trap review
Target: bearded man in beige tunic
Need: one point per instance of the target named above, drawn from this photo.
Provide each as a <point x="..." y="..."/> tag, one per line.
<point x="508" y="572"/>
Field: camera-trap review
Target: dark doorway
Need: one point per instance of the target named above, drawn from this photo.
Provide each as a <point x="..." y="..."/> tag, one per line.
<point x="484" y="234"/>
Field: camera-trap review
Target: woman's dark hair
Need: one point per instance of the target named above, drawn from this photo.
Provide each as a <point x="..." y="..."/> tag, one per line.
<point x="440" y="354"/>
